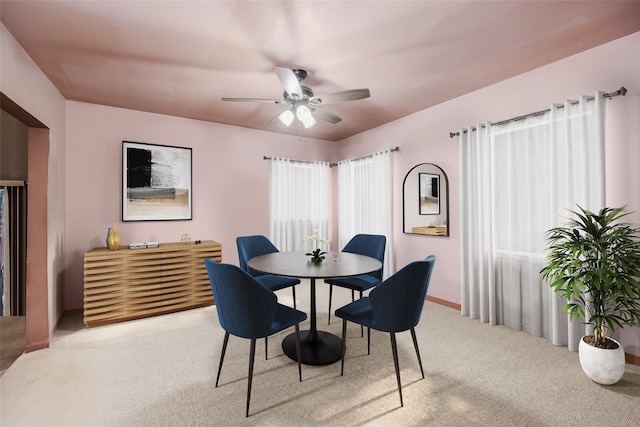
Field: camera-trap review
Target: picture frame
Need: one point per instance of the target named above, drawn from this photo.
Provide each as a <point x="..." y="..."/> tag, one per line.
<point x="429" y="194"/>
<point x="156" y="182"/>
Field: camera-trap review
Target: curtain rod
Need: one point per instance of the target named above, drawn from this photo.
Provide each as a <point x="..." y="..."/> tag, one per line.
<point x="333" y="164"/>
<point x="370" y="155"/>
<point x="299" y="161"/>
<point x="620" y="92"/>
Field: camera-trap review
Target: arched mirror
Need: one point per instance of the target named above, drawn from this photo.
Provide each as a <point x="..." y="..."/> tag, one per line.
<point x="425" y="195"/>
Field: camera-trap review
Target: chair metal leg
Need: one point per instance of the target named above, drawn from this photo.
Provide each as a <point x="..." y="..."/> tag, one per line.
<point x="394" y="349"/>
<point x="252" y="355"/>
<point x="344" y="345"/>
<point x="330" y="294"/>
<point x="368" y="340"/>
<point x="224" y="350"/>
<point x="415" y="344"/>
<point x="266" y="346"/>
<point x="293" y="288"/>
<point x="298" y="350"/>
<point x="361" y="327"/>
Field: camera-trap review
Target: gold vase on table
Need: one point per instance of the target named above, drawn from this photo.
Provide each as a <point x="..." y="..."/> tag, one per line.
<point x="113" y="240"/>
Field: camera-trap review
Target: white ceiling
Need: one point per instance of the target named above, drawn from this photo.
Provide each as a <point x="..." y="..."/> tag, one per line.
<point x="180" y="57"/>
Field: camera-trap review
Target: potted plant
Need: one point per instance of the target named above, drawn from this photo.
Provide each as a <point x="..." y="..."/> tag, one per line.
<point x="317" y="255"/>
<point x="594" y="263"/>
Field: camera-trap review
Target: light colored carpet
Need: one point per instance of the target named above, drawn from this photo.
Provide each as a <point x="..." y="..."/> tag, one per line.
<point x="12" y="331"/>
<point x="161" y="372"/>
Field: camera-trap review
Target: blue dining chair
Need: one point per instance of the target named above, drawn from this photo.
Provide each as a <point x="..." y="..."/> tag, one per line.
<point x="248" y="309"/>
<point x="393" y="306"/>
<point x="253" y="246"/>
<point x="364" y="244"/>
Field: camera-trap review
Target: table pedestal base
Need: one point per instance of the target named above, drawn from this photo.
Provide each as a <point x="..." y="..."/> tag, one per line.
<point x="317" y="348"/>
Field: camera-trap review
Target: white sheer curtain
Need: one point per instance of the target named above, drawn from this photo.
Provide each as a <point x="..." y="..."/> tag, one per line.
<point x="298" y="202"/>
<point x="365" y="201"/>
<point x="518" y="180"/>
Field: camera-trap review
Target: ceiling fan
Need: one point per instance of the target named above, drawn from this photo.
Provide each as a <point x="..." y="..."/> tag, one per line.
<point x="303" y="103"/>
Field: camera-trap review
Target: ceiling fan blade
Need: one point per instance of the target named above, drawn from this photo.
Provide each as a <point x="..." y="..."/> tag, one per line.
<point x="289" y="81"/>
<point x="267" y="101"/>
<point x="325" y="115"/>
<point x="343" y="96"/>
<point x="275" y="119"/>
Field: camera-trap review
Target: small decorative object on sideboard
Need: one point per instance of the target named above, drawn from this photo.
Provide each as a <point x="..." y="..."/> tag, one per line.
<point x="113" y="239"/>
<point x="144" y="245"/>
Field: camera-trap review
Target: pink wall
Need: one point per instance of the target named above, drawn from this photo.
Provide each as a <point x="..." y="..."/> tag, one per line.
<point x="424" y="138"/>
<point x="623" y="173"/>
<point x="230" y="181"/>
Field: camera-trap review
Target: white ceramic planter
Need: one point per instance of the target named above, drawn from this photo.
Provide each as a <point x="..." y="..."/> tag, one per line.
<point x="601" y="365"/>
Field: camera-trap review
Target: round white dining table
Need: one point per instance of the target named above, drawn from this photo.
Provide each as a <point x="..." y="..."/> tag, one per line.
<point x="316" y="347"/>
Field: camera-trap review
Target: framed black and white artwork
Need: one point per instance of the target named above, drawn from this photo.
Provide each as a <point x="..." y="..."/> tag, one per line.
<point x="429" y="194"/>
<point x="156" y="182"/>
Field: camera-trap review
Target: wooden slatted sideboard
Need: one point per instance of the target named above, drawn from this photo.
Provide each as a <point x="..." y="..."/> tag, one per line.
<point x="434" y="231"/>
<point x="133" y="283"/>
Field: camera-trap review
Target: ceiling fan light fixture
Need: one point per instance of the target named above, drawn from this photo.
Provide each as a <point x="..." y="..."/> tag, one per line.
<point x="302" y="102"/>
<point x="286" y="117"/>
<point x="304" y="115"/>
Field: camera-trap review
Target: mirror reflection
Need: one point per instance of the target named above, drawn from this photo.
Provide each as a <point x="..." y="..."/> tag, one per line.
<point x="426" y="201"/>
<point x="429" y="190"/>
